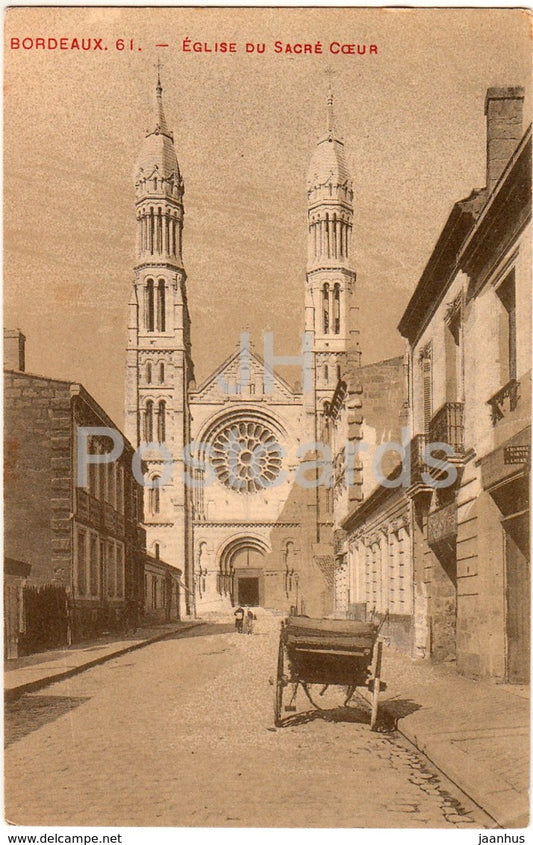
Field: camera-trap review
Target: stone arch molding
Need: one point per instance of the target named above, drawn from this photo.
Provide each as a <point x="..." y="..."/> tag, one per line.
<point x="235" y="544"/>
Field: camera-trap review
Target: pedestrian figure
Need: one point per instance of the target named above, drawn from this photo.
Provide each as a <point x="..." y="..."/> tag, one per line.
<point x="249" y="621"/>
<point x="239" y="618"/>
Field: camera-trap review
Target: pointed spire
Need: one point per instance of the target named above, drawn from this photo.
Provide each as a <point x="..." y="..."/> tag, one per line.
<point x="160" y="121"/>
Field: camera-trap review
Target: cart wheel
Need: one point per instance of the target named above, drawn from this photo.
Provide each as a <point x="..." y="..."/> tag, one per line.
<point x="376" y="687"/>
<point x="278" y="691"/>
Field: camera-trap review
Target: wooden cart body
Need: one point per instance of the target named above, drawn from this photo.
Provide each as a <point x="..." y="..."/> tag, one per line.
<point x="329" y="652"/>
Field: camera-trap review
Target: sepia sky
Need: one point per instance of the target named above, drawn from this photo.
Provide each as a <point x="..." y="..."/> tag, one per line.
<point x="245" y="127"/>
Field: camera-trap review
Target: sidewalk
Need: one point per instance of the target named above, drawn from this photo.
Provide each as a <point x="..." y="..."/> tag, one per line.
<point x="476" y="732"/>
<point x="26" y="674"/>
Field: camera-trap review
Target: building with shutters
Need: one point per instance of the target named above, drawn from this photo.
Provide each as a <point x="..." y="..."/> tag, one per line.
<point x="458" y="524"/>
<point x="468" y="326"/>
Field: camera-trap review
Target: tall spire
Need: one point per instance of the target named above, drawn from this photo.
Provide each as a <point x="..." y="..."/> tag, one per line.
<point x="160" y="121"/>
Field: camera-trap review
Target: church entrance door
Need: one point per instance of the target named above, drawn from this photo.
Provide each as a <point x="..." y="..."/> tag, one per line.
<point x="249" y="591"/>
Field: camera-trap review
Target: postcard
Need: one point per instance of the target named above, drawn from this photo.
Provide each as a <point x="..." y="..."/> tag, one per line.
<point x="267" y="372"/>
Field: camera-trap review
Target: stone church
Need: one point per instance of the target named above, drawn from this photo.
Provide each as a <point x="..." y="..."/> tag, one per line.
<point x="227" y="500"/>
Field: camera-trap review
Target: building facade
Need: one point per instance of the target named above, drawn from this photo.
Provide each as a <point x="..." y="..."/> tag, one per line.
<point x="232" y="514"/>
<point x="460" y="518"/>
<point x="82" y="538"/>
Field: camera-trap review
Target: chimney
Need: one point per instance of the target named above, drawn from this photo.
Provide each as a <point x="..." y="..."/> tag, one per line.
<point x="14" y="350"/>
<point x="503" y="108"/>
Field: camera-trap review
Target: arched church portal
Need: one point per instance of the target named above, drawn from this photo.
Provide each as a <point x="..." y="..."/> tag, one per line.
<point x="242" y="570"/>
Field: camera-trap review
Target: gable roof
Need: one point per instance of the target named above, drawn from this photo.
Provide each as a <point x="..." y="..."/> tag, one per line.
<point x="229" y="372"/>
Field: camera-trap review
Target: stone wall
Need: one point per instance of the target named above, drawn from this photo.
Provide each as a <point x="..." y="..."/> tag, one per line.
<point x="38" y="478"/>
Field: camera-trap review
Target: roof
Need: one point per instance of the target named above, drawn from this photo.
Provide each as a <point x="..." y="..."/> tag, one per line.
<point x="16" y="567"/>
<point x="157" y="151"/>
<point x="229" y="371"/>
<point x="478" y="226"/>
<point x="75" y="390"/>
<point x="442" y="262"/>
<point x="328" y="163"/>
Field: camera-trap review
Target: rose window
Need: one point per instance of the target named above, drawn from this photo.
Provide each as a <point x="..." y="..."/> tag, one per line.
<point x="246" y="456"/>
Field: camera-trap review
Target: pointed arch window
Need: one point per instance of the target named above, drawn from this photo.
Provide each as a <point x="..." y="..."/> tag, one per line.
<point x="152" y="230"/>
<point x="337" y="308"/>
<point x="325" y="308"/>
<point x="159" y="233"/>
<point x="154" y="497"/>
<point x="149" y="422"/>
<point x="149" y="306"/>
<point x="161" y="421"/>
<point x="161" y="321"/>
<point x="161" y="373"/>
<point x="148" y="373"/>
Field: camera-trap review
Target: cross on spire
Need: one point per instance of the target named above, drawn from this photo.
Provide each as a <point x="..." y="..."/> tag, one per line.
<point x="158" y="65"/>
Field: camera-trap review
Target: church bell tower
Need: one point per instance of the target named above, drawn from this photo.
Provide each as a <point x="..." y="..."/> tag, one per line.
<point x="330" y="290"/>
<point x="159" y="367"/>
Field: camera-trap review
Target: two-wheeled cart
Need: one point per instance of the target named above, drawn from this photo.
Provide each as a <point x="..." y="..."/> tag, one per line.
<point x="326" y="652"/>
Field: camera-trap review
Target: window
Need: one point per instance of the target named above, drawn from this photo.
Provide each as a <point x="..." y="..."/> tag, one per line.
<point x="93" y="470"/>
<point x="110" y="569"/>
<point x="325" y="308"/>
<point x="161" y="316"/>
<point x="156" y="551"/>
<point x="154" y="495"/>
<point x="119" y="549"/>
<point x="120" y="489"/>
<point x="161" y="373"/>
<point x="149" y="306"/>
<point x="81" y="567"/>
<point x="93" y="564"/>
<point x="149" y="422"/>
<point x="110" y="493"/>
<point x="337" y="309"/>
<point x="161" y="421"/>
<point x="427" y="386"/>
<point x="453" y="356"/>
<point x="159" y="233"/>
<point x="326" y="372"/>
<point x="507" y="336"/>
<point x="148" y="373"/>
<point x="102" y="478"/>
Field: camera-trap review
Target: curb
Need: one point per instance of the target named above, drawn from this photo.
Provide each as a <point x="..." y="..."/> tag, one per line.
<point x="31" y="686"/>
<point x="446" y="768"/>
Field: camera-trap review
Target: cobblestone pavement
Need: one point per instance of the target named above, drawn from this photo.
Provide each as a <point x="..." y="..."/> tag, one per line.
<point x="181" y="733"/>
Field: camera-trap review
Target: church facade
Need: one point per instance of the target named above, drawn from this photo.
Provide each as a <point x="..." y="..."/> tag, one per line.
<point x="235" y="497"/>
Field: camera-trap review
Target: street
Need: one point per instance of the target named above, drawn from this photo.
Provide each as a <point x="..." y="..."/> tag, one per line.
<point x="180" y="733"/>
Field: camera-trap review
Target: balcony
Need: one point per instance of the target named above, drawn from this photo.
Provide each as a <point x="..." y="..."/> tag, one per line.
<point x="418" y="464"/>
<point x="504" y="401"/>
<point x="447" y="426"/>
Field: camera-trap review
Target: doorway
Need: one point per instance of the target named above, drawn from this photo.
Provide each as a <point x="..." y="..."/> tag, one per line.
<point x="516" y="534"/>
<point x="249" y="591"/>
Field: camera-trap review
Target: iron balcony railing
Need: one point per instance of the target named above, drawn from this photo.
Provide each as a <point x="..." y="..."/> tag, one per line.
<point x="447" y="426"/>
<point x="497" y="403"/>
